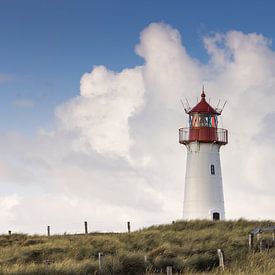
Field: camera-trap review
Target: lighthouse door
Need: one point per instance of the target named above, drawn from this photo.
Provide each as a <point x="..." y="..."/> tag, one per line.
<point x="216" y="216"/>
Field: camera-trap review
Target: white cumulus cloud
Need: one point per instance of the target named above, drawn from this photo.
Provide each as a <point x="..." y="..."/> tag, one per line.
<point x="100" y="115"/>
<point x="114" y="155"/>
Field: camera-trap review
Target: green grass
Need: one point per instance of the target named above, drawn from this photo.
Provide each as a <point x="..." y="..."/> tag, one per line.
<point x="190" y="247"/>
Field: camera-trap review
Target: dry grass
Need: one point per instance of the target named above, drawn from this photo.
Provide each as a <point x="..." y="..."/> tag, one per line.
<point x="190" y="247"/>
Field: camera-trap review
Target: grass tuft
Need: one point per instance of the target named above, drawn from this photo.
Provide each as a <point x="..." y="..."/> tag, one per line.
<point x="189" y="247"/>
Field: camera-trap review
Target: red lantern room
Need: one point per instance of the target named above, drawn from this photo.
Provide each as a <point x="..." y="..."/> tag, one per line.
<point x="203" y="125"/>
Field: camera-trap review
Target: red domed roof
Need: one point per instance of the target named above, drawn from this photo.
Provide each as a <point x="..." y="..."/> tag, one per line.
<point x="203" y="107"/>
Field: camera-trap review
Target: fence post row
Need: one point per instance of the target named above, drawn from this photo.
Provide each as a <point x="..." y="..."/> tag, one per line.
<point x="85" y="228"/>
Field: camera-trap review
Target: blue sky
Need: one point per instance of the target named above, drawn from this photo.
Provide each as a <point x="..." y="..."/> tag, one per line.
<point x="47" y="45"/>
<point x="117" y="133"/>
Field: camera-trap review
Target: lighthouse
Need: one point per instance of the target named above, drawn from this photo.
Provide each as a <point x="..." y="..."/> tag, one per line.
<point x="203" y="195"/>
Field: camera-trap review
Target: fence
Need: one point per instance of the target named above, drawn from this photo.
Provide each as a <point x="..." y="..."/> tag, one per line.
<point x="86" y="231"/>
<point x="261" y="243"/>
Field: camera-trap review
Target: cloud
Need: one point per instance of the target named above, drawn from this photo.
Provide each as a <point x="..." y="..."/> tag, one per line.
<point x="114" y="155"/>
<point x="100" y="115"/>
<point x="7" y="205"/>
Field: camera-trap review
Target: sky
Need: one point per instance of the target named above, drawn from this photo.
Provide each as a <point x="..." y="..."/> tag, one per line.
<point x="90" y="109"/>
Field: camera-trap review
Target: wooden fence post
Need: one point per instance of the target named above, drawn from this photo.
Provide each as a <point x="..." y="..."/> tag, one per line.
<point x="169" y="270"/>
<point x="86" y="227"/>
<point x="48" y="231"/>
<point x="221" y="258"/>
<point x="145" y="259"/>
<point x="47" y="265"/>
<point x="100" y="260"/>
<point x="250" y="241"/>
<point x="129" y="227"/>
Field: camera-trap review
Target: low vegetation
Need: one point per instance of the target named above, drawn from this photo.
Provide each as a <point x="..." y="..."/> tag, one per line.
<point x="189" y="247"/>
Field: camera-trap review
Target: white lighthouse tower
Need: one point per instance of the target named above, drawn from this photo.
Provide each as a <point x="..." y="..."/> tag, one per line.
<point x="203" y="196"/>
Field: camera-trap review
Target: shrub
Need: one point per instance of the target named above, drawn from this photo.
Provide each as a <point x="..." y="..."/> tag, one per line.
<point x="161" y="262"/>
<point x="35" y="256"/>
<point x="111" y="265"/>
<point x="82" y="253"/>
<point x="29" y="242"/>
<point x="201" y="262"/>
<point x="132" y="264"/>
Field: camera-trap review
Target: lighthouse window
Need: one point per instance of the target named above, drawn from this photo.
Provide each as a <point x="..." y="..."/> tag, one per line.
<point x="212" y="167"/>
<point x="195" y="120"/>
<point x="214" y="121"/>
<point x="204" y="120"/>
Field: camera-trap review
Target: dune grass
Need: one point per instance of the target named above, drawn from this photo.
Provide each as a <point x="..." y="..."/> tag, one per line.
<point x="189" y="247"/>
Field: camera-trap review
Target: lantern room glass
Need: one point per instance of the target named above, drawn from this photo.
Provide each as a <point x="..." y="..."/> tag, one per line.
<point x="203" y="120"/>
